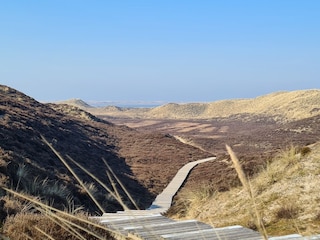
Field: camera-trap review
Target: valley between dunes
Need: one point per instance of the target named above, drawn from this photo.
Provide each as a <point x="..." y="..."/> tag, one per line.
<point x="280" y="106"/>
<point x="261" y="131"/>
<point x="145" y="148"/>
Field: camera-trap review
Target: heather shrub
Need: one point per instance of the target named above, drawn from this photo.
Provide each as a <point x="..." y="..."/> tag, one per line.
<point x="305" y="150"/>
<point x="41" y="226"/>
<point x="287" y="211"/>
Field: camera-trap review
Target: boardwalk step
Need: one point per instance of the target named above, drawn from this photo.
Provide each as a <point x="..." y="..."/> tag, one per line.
<point x="150" y="224"/>
<point x="233" y="232"/>
<point x="152" y="230"/>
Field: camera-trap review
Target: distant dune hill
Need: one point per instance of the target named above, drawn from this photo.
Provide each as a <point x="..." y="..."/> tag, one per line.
<point x="135" y="157"/>
<point x="121" y="111"/>
<point x="288" y="106"/>
<point x="75" y="102"/>
<point x="173" y="110"/>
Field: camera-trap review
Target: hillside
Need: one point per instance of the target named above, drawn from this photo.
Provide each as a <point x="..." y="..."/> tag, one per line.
<point x="28" y="164"/>
<point x="75" y="102"/>
<point x="280" y="106"/>
<point x="144" y="153"/>
<point x="286" y="193"/>
<point x="255" y="136"/>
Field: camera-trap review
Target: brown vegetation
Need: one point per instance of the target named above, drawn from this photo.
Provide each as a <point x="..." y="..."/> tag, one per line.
<point x="39" y="226"/>
<point x="147" y="156"/>
<point x="28" y="164"/>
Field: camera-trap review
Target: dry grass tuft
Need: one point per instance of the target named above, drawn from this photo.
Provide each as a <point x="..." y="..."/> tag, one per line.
<point x="287" y="211"/>
<point x="73" y="173"/>
<point x="42" y="226"/>
<point x="192" y="198"/>
<point x="305" y="150"/>
<point x="45" y="221"/>
<point x="30" y="218"/>
<point x="285" y="194"/>
<point x="246" y="184"/>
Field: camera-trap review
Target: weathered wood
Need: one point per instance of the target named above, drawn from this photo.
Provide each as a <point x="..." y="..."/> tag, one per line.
<point x="233" y="232"/>
<point x="150" y="224"/>
<point x="164" y="200"/>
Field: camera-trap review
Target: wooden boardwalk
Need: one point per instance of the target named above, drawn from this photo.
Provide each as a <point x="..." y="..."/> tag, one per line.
<point x="164" y="200"/>
<point x="150" y="224"/>
<point x="154" y="226"/>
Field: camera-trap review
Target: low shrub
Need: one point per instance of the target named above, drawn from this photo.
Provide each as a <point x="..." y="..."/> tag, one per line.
<point x="290" y="156"/>
<point x="40" y="226"/>
<point x="305" y="150"/>
<point x="288" y="211"/>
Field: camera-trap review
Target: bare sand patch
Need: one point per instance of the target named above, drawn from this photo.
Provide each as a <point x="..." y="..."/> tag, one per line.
<point x="224" y="129"/>
<point x="143" y="123"/>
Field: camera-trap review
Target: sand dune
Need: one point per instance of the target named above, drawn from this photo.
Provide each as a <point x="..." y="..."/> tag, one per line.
<point x="288" y="106"/>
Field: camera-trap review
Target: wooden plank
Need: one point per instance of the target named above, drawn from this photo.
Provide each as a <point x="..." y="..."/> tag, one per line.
<point x="116" y="216"/>
<point x="177" y="227"/>
<point x="164" y="200"/>
<point x="150" y="224"/>
<point x="122" y="224"/>
<point x="296" y="237"/>
<point x="233" y="232"/>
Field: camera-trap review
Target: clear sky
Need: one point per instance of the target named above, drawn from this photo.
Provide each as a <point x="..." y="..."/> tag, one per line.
<point x="168" y="50"/>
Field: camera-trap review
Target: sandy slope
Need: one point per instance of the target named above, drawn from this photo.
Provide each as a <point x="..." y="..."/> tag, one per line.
<point x="292" y="105"/>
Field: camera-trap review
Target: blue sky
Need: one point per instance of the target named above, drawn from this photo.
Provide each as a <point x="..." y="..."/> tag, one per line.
<point x="174" y="51"/>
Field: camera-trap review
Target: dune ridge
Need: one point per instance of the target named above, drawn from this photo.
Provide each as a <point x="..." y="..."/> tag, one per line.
<point x="284" y="106"/>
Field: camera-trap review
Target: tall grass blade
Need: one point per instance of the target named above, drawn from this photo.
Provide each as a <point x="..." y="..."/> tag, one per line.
<point x="73" y="173"/>
<point x="52" y="217"/>
<point x="27" y="236"/>
<point x="47" y="207"/>
<point x="73" y="226"/>
<point x="120" y="183"/>
<point x="118" y="197"/>
<point x="97" y="180"/>
<point x="245" y="183"/>
<point x="44" y="233"/>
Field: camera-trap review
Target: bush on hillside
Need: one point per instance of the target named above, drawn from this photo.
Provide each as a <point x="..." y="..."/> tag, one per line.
<point x="40" y="226"/>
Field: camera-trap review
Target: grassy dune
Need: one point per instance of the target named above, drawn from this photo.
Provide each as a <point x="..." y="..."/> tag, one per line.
<point x="290" y="105"/>
<point x="280" y="105"/>
<point x="286" y="193"/>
